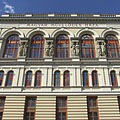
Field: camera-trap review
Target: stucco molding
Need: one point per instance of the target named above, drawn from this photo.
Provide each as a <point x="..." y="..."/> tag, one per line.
<point x="12" y="31"/>
<point x="62" y="31"/>
<point x="110" y="31"/>
<point x="87" y="31"/>
<point x="37" y="31"/>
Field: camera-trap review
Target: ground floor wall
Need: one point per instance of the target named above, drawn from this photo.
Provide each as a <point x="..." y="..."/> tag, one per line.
<point x="77" y="107"/>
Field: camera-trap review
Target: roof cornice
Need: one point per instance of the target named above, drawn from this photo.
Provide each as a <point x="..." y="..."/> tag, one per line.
<point x="60" y="16"/>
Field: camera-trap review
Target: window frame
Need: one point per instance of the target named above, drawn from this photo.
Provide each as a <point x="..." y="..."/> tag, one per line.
<point x="92" y="109"/>
<point x="57" y="79"/>
<point x="84" y="83"/>
<point x="61" y="109"/>
<point x="7" y="43"/>
<point x="118" y="97"/>
<point x="1" y="79"/>
<point x="93" y="78"/>
<point x="114" y="48"/>
<point x="66" y="41"/>
<point x="6" y="84"/>
<point x="36" y="78"/>
<point x="90" y="49"/>
<point x="115" y="80"/>
<point x="30" y="109"/>
<point x="27" y="80"/>
<point x="65" y="81"/>
<point x="33" y="41"/>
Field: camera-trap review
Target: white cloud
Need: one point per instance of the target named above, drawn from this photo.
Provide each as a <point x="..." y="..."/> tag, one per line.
<point x="8" y="8"/>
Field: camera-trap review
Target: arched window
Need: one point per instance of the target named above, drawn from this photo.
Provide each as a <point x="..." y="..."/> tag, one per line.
<point x="9" y="78"/>
<point x="85" y="79"/>
<point x="95" y="78"/>
<point x="28" y="79"/>
<point x="113" y="78"/>
<point x="87" y="46"/>
<point x="113" y="48"/>
<point x="37" y="46"/>
<point x="57" y="79"/>
<point x="62" y="46"/>
<point x="1" y="77"/>
<point x="11" y="48"/>
<point x="66" y="81"/>
<point x="38" y="76"/>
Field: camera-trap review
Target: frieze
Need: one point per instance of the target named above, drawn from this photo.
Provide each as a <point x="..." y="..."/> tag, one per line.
<point x="52" y="25"/>
<point x="59" y="25"/>
<point x="66" y="25"/>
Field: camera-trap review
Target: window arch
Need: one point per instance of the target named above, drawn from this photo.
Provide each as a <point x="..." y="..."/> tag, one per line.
<point x="85" y="79"/>
<point x="38" y="76"/>
<point x="37" y="46"/>
<point x="1" y="77"/>
<point x="9" y="78"/>
<point x="66" y="79"/>
<point x="11" y="47"/>
<point x="57" y="79"/>
<point x="28" y="79"/>
<point x="87" y="46"/>
<point x="113" y="78"/>
<point x="95" y="78"/>
<point x="112" y="46"/>
<point x="62" y="46"/>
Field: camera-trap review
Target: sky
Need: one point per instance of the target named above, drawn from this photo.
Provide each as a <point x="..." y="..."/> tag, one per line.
<point x="59" y="6"/>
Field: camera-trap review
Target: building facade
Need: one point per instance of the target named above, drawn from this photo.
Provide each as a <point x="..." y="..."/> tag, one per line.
<point x="60" y="66"/>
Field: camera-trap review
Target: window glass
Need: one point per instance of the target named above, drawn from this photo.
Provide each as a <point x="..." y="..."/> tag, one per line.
<point x="113" y="78"/>
<point x="113" y="48"/>
<point x="62" y="46"/>
<point x="57" y="79"/>
<point x="38" y="76"/>
<point x="87" y="47"/>
<point x="37" y="46"/>
<point x="30" y="108"/>
<point x="9" y="78"/>
<point x="95" y="78"/>
<point x="61" y="108"/>
<point x="92" y="108"/>
<point x="85" y="79"/>
<point x="28" y="78"/>
<point x="11" y="48"/>
<point x="1" y="77"/>
<point x="66" y="81"/>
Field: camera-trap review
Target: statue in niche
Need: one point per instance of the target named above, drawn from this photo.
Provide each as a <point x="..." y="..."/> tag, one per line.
<point x="101" y="48"/>
<point x="49" y="49"/>
<point x="22" y="49"/>
<point x="75" y="48"/>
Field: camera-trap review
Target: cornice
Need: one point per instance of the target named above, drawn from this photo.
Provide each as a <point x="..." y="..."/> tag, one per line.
<point x="2" y="19"/>
<point x="60" y="16"/>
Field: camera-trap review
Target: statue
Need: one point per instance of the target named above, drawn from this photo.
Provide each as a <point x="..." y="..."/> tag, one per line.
<point x="75" y="48"/>
<point x="22" y="49"/>
<point x="101" y="48"/>
<point x="49" y="49"/>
